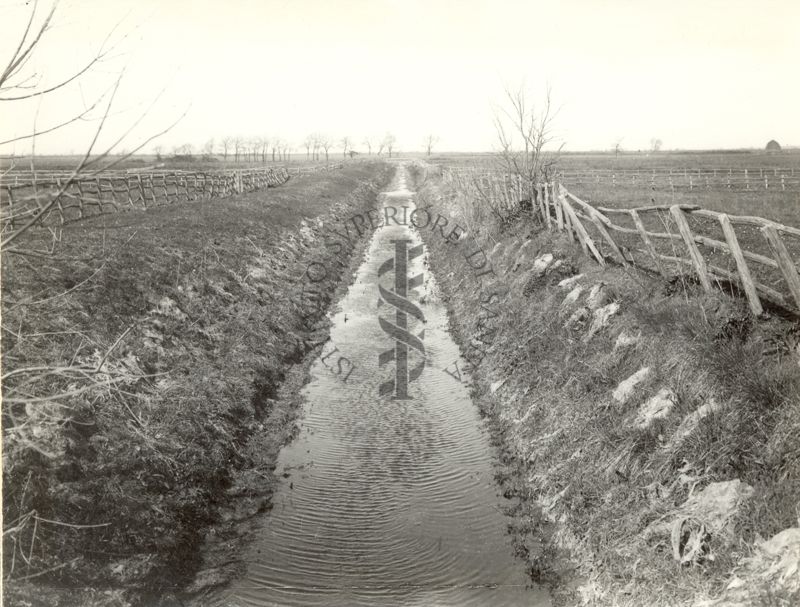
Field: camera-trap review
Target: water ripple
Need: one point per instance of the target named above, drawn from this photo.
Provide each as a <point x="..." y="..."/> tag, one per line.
<point x="385" y="502"/>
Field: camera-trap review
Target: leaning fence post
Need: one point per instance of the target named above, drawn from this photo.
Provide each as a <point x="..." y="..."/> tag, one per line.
<point x="741" y="265"/>
<point x="546" y="202"/>
<point x="587" y="244"/>
<point x="694" y="253"/>
<point x="557" y="194"/>
<point x="648" y="244"/>
<point x="784" y="260"/>
<point x="567" y="220"/>
<point x="598" y="222"/>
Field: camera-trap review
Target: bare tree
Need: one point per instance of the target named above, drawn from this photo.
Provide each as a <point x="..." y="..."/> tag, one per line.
<point x="226" y="144"/>
<point x="263" y="143"/>
<point x="429" y="142"/>
<point x="42" y="398"/>
<point x="18" y="84"/>
<point x="208" y="148"/>
<point x="523" y="132"/>
<point x="368" y="142"/>
<point x="158" y="149"/>
<point x="254" y="144"/>
<point x="326" y="144"/>
<point x="617" y="146"/>
<point x="655" y="145"/>
<point x="316" y="138"/>
<point x="388" y="143"/>
<point x="308" y="144"/>
<point x="277" y="148"/>
<point x="346" y="145"/>
<point x="184" y="150"/>
<point x="238" y="144"/>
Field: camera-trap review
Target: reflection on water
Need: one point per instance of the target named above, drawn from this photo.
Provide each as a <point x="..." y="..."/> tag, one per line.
<point x="385" y="502"/>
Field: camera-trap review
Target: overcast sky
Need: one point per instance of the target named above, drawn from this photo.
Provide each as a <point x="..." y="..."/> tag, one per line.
<point x="694" y="73"/>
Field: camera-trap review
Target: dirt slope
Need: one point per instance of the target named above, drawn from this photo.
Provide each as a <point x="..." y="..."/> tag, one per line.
<point x="648" y="431"/>
<point x="209" y="300"/>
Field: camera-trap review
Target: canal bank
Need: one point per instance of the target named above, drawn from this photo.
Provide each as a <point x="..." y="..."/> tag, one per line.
<point x="387" y="493"/>
<point x="646" y="429"/>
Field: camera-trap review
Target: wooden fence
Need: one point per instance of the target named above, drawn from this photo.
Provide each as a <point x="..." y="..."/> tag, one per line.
<point x="771" y="179"/>
<point x="24" y="194"/>
<point x="755" y="256"/>
<point x="781" y="179"/>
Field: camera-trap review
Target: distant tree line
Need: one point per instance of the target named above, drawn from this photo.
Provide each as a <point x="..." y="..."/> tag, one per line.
<point x="316" y="146"/>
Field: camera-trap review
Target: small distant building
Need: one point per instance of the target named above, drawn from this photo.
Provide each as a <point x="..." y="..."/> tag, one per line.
<point x="773" y="146"/>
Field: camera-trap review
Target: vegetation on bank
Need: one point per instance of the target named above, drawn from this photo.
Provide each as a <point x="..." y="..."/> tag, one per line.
<point x="614" y="438"/>
<point x="192" y="310"/>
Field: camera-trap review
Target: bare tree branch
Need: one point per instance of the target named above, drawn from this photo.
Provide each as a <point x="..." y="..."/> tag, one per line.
<point x="55" y="128"/>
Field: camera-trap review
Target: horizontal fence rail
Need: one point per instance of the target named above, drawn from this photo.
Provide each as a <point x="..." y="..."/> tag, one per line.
<point x="63" y="197"/>
<point x="780" y="179"/>
<point x="756" y="256"/>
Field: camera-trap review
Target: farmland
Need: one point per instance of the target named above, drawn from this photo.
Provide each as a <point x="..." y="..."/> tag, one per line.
<point x="606" y="186"/>
<point x="590" y="176"/>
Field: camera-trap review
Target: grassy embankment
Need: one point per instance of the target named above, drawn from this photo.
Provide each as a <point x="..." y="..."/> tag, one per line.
<point x="115" y="490"/>
<point x="614" y="480"/>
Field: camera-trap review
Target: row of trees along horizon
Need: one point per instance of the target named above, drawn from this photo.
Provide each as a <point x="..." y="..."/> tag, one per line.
<point x="262" y="149"/>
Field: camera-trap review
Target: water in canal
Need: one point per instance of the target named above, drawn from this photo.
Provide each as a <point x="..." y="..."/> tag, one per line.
<point x="386" y="501"/>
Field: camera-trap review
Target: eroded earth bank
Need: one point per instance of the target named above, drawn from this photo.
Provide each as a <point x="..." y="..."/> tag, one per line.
<point x="649" y="432"/>
<point x="129" y="493"/>
<point x="387" y="496"/>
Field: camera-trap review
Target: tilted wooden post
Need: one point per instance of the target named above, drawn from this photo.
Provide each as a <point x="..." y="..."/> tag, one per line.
<point x="788" y="269"/>
<point x="607" y="237"/>
<point x="694" y="253"/>
<point x="557" y="194"/>
<point x="744" y="272"/>
<point x="537" y="191"/>
<point x="567" y="220"/>
<point x="648" y="244"/>
<point x="587" y="244"/>
<point x="546" y="202"/>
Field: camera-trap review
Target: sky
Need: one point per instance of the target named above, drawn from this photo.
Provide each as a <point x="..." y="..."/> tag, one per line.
<point x="696" y="74"/>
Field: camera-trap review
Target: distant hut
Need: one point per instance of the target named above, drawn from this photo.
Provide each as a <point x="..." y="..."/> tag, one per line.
<point x="773" y="146"/>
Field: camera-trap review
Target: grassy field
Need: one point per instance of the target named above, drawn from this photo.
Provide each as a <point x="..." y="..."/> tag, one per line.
<point x="775" y="204"/>
<point x="140" y="161"/>
<point x="196" y="305"/>
<point x="645" y="160"/>
<point x="782" y="206"/>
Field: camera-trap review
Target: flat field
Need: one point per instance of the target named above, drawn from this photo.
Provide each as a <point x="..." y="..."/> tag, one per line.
<point x="710" y="180"/>
<point x="167" y="163"/>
